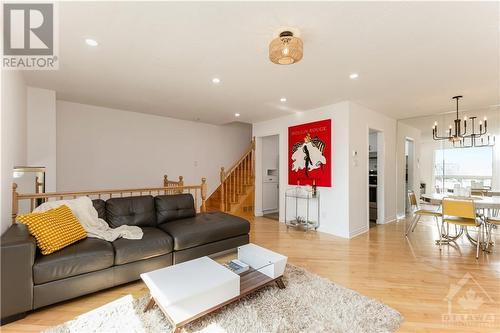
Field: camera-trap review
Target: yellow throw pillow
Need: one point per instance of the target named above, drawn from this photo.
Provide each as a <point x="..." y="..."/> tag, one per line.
<point x="54" y="229"/>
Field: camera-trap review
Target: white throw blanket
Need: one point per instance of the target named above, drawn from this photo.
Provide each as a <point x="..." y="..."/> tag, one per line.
<point x="84" y="211"/>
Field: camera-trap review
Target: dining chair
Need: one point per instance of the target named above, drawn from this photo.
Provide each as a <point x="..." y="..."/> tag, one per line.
<point x="491" y="222"/>
<point x="478" y="192"/>
<point x="462" y="212"/>
<point x="418" y="213"/>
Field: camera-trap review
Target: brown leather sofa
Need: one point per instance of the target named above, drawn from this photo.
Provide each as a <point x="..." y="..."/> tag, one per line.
<point x="172" y="233"/>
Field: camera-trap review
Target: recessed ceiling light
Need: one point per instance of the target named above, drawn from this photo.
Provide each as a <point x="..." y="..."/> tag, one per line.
<point x="216" y="80"/>
<point x="354" y="76"/>
<point x="283" y="99"/>
<point x="237" y="114"/>
<point x="91" y="42"/>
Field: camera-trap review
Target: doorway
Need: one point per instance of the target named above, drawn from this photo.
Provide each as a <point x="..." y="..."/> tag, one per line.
<point x="270" y="176"/>
<point x="375" y="177"/>
<point x="409" y="170"/>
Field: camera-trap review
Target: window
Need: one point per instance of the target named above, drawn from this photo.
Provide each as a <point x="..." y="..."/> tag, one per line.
<point x="465" y="166"/>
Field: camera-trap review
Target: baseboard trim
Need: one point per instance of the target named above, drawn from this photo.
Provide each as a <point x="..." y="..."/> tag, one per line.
<point x="400" y="216"/>
<point x="391" y="219"/>
<point x="358" y="231"/>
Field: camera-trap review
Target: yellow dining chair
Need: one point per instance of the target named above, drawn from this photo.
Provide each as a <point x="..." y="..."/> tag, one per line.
<point x="463" y="213"/>
<point x="418" y="213"/>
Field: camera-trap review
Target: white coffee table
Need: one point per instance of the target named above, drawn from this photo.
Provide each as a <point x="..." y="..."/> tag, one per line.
<point x="190" y="290"/>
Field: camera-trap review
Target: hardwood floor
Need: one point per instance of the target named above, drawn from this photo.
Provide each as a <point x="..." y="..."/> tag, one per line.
<point x="410" y="275"/>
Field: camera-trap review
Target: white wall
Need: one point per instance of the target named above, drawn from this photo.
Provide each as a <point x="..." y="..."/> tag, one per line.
<point x="344" y="206"/>
<point x="100" y="148"/>
<point x="12" y="137"/>
<point x="361" y="120"/>
<point x="407" y="132"/>
<point x="41" y="124"/>
<point x="334" y="205"/>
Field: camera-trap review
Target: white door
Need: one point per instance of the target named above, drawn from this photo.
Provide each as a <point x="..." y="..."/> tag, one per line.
<point x="270" y="196"/>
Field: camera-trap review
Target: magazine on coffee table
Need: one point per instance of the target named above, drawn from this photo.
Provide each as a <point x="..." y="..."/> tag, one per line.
<point x="237" y="266"/>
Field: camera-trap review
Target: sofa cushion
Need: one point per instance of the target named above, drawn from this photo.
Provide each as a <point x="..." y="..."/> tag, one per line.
<point x="154" y="243"/>
<point x="174" y="207"/>
<point x="88" y="255"/>
<point x="100" y="206"/>
<point x="54" y="229"/>
<point x="138" y="211"/>
<point x="205" y="228"/>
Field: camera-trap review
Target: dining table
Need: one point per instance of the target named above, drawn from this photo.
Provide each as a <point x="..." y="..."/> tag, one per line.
<point x="491" y="205"/>
<point x="480" y="201"/>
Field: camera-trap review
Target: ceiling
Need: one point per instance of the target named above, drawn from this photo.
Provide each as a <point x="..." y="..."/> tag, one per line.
<point x="160" y="57"/>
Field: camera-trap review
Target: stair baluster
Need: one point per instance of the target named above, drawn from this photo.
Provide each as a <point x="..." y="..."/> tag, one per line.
<point x="235" y="183"/>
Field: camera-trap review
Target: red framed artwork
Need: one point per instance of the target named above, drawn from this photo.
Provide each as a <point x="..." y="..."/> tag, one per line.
<point x="309" y="154"/>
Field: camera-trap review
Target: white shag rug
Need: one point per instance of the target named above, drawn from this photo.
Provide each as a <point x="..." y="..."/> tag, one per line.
<point x="309" y="303"/>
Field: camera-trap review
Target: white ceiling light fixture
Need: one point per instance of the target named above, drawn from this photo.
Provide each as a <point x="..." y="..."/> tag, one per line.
<point x="215" y="80"/>
<point x="354" y="76"/>
<point x="237" y="114"/>
<point x="91" y="42"/>
<point x="283" y="99"/>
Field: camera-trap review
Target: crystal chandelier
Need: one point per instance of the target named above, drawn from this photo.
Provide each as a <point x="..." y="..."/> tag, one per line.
<point x="460" y="137"/>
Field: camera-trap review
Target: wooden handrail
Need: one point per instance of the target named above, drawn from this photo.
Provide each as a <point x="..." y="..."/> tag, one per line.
<point x="240" y="174"/>
<point x="173" y="183"/>
<point x="16" y="197"/>
<point x="103" y="192"/>
<point x="238" y="162"/>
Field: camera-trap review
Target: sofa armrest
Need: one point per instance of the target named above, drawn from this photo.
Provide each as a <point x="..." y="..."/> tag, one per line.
<point x="18" y="249"/>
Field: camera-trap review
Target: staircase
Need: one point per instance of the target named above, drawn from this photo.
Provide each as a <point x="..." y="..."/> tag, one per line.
<point x="235" y="194"/>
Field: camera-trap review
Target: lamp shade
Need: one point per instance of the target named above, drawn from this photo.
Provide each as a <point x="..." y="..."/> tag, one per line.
<point x="286" y="49"/>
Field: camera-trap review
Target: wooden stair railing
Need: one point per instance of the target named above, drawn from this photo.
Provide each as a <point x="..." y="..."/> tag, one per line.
<point x="234" y="182"/>
<point x="175" y="185"/>
<point x="35" y="199"/>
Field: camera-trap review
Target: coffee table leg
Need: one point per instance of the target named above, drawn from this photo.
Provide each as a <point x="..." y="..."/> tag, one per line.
<point x="149" y="305"/>
<point x="280" y="283"/>
<point x="177" y="329"/>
